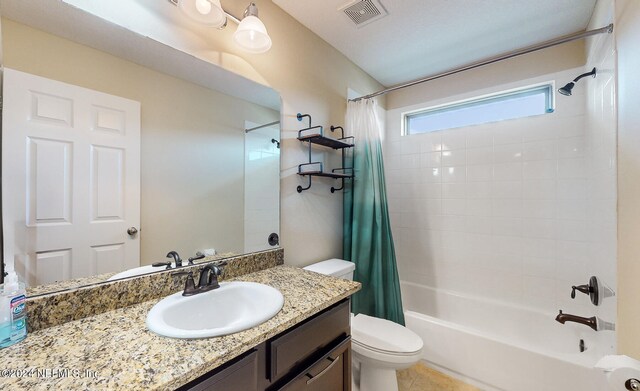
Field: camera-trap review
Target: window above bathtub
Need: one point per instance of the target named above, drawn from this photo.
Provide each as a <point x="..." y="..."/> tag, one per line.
<point x="517" y="103"/>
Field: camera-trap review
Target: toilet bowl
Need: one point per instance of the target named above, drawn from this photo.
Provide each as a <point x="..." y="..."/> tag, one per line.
<point x="379" y="346"/>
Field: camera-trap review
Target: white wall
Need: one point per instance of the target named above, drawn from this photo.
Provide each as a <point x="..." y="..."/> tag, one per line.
<point x="601" y="164"/>
<point x="261" y="173"/>
<point x="491" y="210"/>
<point x="502" y="211"/>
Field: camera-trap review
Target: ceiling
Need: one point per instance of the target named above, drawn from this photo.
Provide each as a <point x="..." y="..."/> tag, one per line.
<point x="424" y="37"/>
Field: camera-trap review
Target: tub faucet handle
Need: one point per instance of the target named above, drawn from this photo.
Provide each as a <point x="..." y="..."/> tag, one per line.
<point x="592" y="289"/>
<point x="586" y="289"/>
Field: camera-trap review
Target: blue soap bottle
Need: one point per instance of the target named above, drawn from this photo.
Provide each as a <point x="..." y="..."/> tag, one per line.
<point x="13" y="309"/>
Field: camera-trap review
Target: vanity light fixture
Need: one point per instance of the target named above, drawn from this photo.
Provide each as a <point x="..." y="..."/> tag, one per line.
<point x="207" y="12"/>
<point x="251" y="35"/>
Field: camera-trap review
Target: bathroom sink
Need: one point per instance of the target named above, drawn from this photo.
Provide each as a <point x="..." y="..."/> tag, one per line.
<point x="138" y="271"/>
<point x="233" y="307"/>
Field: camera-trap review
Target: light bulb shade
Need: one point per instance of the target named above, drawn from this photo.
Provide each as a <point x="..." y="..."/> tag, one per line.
<point x="207" y="12"/>
<point x="252" y="36"/>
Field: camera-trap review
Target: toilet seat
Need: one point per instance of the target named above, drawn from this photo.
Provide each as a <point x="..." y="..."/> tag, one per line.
<point x="384" y="337"/>
<point x="382" y="351"/>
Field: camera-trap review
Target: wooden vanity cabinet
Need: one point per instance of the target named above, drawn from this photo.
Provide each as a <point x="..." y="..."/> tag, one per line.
<point x="331" y="372"/>
<point x="314" y="355"/>
<point x="238" y="374"/>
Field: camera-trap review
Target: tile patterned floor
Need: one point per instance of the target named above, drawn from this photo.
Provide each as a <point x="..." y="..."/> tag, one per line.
<point x="422" y="378"/>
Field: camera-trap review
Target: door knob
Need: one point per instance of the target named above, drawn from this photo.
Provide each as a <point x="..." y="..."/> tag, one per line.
<point x="132" y="231"/>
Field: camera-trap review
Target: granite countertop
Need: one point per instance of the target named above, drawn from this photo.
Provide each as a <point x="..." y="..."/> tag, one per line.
<point x="115" y="351"/>
<point x="100" y="278"/>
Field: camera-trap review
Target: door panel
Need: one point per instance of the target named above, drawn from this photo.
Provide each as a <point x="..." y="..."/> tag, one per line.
<point x="53" y="266"/>
<point x="108" y="120"/>
<point x="107" y="259"/>
<point x="107" y="183"/>
<point x="49" y="181"/>
<point x="51" y="109"/>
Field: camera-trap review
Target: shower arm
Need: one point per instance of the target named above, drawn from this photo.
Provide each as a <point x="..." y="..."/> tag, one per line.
<point x="590" y="73"/>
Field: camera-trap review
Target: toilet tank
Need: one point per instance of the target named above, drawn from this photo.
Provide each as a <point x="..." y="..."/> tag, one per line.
<point x="334" y="267"/>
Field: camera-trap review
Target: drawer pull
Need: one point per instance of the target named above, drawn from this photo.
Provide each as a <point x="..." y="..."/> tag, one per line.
<point x="319" y="375"/>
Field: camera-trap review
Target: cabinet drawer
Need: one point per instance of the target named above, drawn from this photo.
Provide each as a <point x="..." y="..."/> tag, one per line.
<point x="317" y="333"/>
<point x="240" y="374"/>
<point x="332" y="372"/>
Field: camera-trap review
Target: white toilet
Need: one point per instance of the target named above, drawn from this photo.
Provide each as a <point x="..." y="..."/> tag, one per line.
<point x="380" y="347"/>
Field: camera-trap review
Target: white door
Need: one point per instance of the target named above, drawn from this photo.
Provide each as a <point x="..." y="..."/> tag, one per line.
<point x="70" y="179"/>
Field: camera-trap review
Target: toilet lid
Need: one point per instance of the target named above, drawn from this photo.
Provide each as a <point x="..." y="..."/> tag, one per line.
<point x="384" y="335"/>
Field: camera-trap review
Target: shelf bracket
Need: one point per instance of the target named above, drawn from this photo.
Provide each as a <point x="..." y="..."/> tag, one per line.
<point x="334" y="189"/>
<point x="333" y="128"/>
<point x="301" y="189"/>
<point x="301" y="116"/>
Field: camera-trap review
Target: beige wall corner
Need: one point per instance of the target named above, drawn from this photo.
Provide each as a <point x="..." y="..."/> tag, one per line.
<point x="627" y="30"/>
<point x="312" y="77"/>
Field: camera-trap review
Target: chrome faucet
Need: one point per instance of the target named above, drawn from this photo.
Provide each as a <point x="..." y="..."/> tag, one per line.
<point x="591" y="322"/>
<point x="208" y="279"/>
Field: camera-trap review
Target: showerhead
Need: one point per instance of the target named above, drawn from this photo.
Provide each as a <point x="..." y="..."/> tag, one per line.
<point x="566" y="90"/>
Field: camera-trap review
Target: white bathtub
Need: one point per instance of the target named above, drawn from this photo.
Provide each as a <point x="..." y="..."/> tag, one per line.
<point x="496" y="346"/>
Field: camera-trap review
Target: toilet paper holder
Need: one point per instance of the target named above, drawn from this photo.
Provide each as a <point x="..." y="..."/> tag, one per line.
<point x="622" y="372"/>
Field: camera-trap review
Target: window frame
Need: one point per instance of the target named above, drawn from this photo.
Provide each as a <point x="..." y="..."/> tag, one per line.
<point x="548" y="87"/>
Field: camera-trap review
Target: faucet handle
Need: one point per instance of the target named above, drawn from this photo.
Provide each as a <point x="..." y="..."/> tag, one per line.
<point x="159" y="264"/>
<point x="586" y="289"/>
<point x="189" y="285"/>
<point x="219" y="267"/>
<point x="592" y="289"/>
<point x="195" y="258"/>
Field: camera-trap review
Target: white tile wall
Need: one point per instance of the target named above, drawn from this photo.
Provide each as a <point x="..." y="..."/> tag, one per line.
<point x="262" y="169"/>
<point x="599" y="155"/>
<point x="516" y="211"/>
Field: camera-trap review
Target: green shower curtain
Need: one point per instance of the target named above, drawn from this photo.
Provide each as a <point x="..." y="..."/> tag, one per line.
<point x="367" y="231"/>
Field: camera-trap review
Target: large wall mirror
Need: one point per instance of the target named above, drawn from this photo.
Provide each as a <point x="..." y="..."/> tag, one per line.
<point x="117" y="151"/>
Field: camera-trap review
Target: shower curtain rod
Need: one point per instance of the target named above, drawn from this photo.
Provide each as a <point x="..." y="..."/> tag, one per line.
<point x="261" y="126"/>
<point x="528" y="49"/>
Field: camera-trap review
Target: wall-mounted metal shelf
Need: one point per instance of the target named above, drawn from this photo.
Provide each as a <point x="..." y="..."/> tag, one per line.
<point x="315" y="135"/>
<point x="326" y="174"/>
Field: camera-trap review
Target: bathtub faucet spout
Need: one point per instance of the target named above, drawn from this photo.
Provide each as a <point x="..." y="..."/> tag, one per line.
<point x="591" y="322"/>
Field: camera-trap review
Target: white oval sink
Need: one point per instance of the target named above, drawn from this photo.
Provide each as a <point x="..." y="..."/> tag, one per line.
<point x="137" y="271"/>
<point x="233" y="307"/>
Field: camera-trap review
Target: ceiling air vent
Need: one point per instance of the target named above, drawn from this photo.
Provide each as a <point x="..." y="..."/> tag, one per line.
<point x="363" y="12"/>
